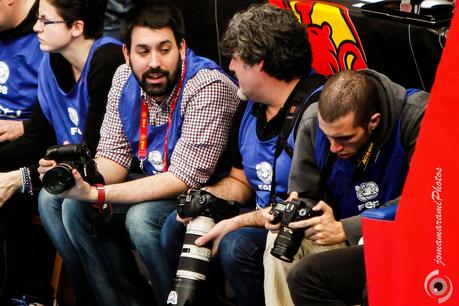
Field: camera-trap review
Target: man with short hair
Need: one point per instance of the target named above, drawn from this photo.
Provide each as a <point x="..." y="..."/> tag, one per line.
<point x="271" y="58"/>
<point x="356" y="144"/>
<point x="169" y="111"/>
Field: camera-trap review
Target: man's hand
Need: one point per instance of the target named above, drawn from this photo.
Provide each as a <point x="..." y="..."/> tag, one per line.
<point x="273" y="227"/>
<point x="324" y="229"/>
<point x="10" y="182"/>
<point x="217" y="232"/>
<point x="266" y="213"/>
<point x="10" y="130"/>
<point x="81" y="191"/>
<point x="183" y="220"/>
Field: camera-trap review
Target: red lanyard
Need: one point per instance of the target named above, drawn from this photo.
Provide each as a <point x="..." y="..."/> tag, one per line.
<point x="144" y="125"/>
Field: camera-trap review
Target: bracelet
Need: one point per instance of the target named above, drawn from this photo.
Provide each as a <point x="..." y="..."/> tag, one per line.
<point x="100" y="195"/>
<point x="105" y="209"/>
<point x="26" y="180"/>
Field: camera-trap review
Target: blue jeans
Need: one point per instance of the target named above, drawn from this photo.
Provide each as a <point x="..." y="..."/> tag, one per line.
<point x="144" y="222"/>
<point x="240" y="255"/>
<point x="88" y="260"/>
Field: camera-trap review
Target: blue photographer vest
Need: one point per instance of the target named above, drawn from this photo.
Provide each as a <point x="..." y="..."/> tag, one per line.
<point x="258" y="157"/>
<point x="19" y="62"/>
<point x="67" y="112"/>
<point x="381" y="181"/>
<point x="130" y="109"/>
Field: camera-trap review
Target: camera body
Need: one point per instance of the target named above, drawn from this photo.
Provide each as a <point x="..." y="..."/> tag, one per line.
<point x="68" y="157"/>
<point x="296" y="210"/>
<point x="205" y="209"/>
<point x="288" y="240"/>
<point x="202" y="203"/>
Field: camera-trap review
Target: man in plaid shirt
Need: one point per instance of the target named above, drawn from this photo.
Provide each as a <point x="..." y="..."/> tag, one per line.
<point x="170" y="111"/>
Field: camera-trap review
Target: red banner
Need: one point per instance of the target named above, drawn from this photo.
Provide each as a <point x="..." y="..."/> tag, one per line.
<point x="414" y="260"/>
<point x="334" y="40"/>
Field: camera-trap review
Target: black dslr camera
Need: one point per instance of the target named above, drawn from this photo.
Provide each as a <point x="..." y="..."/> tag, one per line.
<point x="202" y="203"/>
<point x="205" y="209"/>
<point x="69" y="157"/>
<point x="288" y="240"/>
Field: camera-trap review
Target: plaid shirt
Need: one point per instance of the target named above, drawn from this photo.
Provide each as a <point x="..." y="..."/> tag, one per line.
<point x="208" y="102"/>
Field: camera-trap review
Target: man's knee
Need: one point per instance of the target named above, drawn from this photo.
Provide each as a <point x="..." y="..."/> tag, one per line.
<point x="307" y="271"/>
<point x="236" y="248"/>
<point x="148" y="216"/>
<point x="136" y="219"/>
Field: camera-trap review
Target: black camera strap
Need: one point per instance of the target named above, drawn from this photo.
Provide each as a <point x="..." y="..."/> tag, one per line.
<point x="302" y="99"/>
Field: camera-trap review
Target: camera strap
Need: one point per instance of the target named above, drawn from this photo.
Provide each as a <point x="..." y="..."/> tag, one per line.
<point x="143" y="133"/>
<point x="302" y="99"/>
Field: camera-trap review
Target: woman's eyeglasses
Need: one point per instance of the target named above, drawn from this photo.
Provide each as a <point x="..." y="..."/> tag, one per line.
<point x="45" y="21"/>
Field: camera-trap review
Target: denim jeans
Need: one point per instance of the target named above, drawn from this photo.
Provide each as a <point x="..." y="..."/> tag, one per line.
<point x="88" y="260"/>
<point x="144" y="222"/>
<point x="240" y="255"/>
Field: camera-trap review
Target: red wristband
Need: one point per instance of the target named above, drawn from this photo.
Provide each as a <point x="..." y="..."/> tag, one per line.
<point x="100" y="195"/>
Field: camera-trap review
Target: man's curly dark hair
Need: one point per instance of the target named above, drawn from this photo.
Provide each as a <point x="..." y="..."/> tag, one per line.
<point x="272" y="35"/>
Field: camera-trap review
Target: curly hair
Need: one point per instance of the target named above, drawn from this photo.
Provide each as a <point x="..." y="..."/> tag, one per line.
<point x="349" y="91"/>
<point x="91" y="12"/>
<point x="272" y="35"/>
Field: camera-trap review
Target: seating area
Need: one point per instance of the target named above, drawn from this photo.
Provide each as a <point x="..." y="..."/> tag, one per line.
<point x="409" y="240"/>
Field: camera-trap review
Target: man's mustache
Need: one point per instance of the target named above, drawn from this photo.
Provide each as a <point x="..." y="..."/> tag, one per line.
<point x="154" y="71"/>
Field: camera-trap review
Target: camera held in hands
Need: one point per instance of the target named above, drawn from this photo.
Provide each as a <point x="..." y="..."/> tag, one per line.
<point x="205" y="209"/>
<point x="68" y="157"/>
<point x="288" y="240"/>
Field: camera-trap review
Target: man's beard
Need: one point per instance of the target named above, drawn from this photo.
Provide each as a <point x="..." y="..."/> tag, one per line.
<point x="161" y="89"/>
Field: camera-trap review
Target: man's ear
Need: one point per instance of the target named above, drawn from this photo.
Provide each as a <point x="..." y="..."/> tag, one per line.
<point x="126" y="53"/>
<point x="182" y="49"/>
<point x="77" y="28"/>
<point x="260" y="65"/>
<point x="374" y="121"/>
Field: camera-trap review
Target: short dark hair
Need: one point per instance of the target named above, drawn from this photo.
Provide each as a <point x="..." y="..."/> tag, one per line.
<point x="349" y="91"/>
<point x="154" y="15"/>
<point x="91" y="12"/>
<point x="272" y="35"/>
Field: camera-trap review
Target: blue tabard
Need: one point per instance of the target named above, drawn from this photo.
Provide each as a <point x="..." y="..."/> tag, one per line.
<point x="258" y="156"/>
<point x="258" y="159"/>
<point x="130" y="108"/>
<point x="381" y="181"/>
<point x="67" y="112"/>
<point x="19" y="62"/>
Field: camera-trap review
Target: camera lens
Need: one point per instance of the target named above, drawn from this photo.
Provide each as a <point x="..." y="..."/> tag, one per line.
<point x="59" y="178"/>
<point x="193" y="264"/>
<point x="287" y="243"/>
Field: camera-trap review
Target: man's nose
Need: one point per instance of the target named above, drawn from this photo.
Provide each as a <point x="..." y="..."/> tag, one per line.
<point x="231" y="65"/>
<point x="335" y="146"/>
<point x="155" y="61"/>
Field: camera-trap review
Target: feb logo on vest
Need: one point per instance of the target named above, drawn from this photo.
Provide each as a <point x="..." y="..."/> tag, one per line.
<point x="265" y="174"/>
<point x="73" y="115"/>
<point x="4" y="75"/>
<point x="156" y="159"/>
<point x="366" y="192"/>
